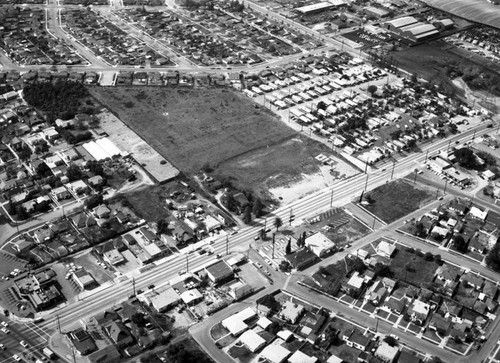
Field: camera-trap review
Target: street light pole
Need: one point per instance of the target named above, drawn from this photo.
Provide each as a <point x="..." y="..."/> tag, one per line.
<point x="227" y="245"/>
<point x="393" y="166"/>
<point x="187" y="262"/>
<point x="366" y="183"/>
<point x="331" y="199"/>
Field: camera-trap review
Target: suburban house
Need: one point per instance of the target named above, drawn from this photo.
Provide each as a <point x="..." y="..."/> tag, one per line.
<point x="291" y="312"/>
<point x="473" y="281"/>
<point x="101" y="211"/>
<point x="354" y="285"/>
<point x="447" y="273"/>
<point x="354" y="338"/>
<point x="419" y="311"/>
<point x="252" y="340"/>
<point x="385" y="249"/>
<point x="394" y="305"/>
<point x="61" y="193"/>
<point x="387" y="353"/>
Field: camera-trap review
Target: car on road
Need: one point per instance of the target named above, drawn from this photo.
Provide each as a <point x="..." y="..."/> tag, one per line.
<point x="16" y="358"/>
<point x="2" y="347"/>
<point x="5" y="330"/>
<point x="268" y="261"/>
<point x="24" y="344"/>
<point x="182" y="272"/>
<point x="5" y="277"/>
<point x="4" y="324"/>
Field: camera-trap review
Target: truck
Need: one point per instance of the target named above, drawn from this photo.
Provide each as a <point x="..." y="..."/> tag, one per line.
<point x="48" y="353"/>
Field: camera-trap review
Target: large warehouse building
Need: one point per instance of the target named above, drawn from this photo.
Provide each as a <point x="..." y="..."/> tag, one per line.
<point x="410" y="28"/>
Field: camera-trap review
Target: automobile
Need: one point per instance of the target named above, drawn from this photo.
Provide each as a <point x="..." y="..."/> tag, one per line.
<point x="5" y="330"/>
<point x="16" y="358"/>
<point x="256" y="238"/>
<point x="23" y="343"/>
<point x="5" y="277"/>
<point x="219" y="256"/>
<point x="152" y="286"/>
<point x="268" y="261"/>
<point x="348" y="245"/>
<point x="259" y="265"/>
<point x="4" y="324"/>
<point x="138" y="292"/>
<point x="394" y="336"/>
<point x="182" y="272"/>
<point x="489" y="126"/>
<point x="2" y="347"/>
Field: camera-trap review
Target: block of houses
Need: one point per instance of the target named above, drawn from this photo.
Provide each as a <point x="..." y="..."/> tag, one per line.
<point x="385" y="249"/>
<point x="291" y="312"/>
<point x="320" y="245"/>
<point x="356" y="339"/>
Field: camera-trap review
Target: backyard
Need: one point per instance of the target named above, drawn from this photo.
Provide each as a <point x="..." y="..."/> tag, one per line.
<point x="394" y="200"/>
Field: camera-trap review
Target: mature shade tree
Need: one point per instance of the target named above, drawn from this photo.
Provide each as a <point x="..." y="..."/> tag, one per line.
<point x="73" y="172"/>
<point x="460" y="243"/>
<point x="257" y="208"/>
<point x="288" y="248"/>
<point x="247" y="215"/>
<point x="493" y="257"/>
<point x="93" y="201"/>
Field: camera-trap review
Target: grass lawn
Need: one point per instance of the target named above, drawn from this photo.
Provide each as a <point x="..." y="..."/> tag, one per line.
<point x="396" y="199"/>
<point x="412" y="268"/>
<point x="431" y="334"/>
<point x="345" y="353"/>
<point x="461" y="347"/>
<point x="241" y="353"/>
<point x="224" y="342"/>
<point x="218" y="331"/>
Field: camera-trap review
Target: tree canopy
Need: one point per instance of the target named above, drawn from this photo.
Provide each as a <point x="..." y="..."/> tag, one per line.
<point x="58" y="99"/>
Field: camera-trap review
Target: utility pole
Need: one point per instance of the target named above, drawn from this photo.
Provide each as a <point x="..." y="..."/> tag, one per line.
<point x="366" y="183"/>
<point x="366" y="166"/>
<point x="274" y="234"/>
<point x="448" y="149"/>
<point x="373" y="226"/>
<point x="73" y="354"/>
<point x="291" y="217"/>
<point x="187" y="262"/>
<point x="426" y="154"/>
<point x="227" y="244"/>
<point x="415" y="179"/>
<point x="474" y="136"/>
<point x="58" y="324"/>
<point x="445" y="184"/>
<point x="393" y="166"/>
<point x="331" y="199"/>
<point x="133" y="286"/>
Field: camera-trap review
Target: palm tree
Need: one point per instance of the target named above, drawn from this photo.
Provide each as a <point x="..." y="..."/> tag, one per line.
<point x="278" y="223"/>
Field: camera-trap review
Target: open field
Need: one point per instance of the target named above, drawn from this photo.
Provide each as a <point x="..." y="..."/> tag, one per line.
<point x="480" y="11"/>
<point x="394" y="200"/>
<point x="287" y="169"/>
<point x="237" y="138"/>
<point x="191" y="127"/>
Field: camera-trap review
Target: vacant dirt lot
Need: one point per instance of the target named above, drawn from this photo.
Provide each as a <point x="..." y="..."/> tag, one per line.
<point x="191" y="127"/>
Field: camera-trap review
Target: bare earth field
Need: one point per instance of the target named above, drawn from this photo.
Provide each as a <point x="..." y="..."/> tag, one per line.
<point x="191" y="127"/>
<point x="480" y="11"/>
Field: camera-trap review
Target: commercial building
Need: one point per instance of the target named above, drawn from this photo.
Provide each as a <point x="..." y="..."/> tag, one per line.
<point x="320" y="245"/>
<point x="162" y="299"/>
<point x="219" y="271"/>
<point x="83" y="279"/>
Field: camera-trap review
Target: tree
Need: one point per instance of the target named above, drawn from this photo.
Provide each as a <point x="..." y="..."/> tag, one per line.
<point x="372" y="89"/>
<point x="95" y="168"/>
<point x="285" y="266"/>
<point x="43" y="170"/>
<point x="21" y="213"/>
<point x="257" y="208"/>
<point x="247" y="215"/>
<point x="162" y="226"/>
<point x="419" y="229"/>
<point x="139" y="319"/>
<point x="288" y="248"/>
<point x="73" y="172"/>
<point x="493" y="257"/>
<point x="382" y="270"/>
<point x="460" y="243"/>
<point x="278" y="223"/>
<point x="262" y="234"/>
<point x="93" y="201"/>
<point x="466" y="158"/>
<point x="270" y="302"/>
<point x="25" y="153"/>
<point x="428" y="256"/>
<point x="391" y="341"/>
